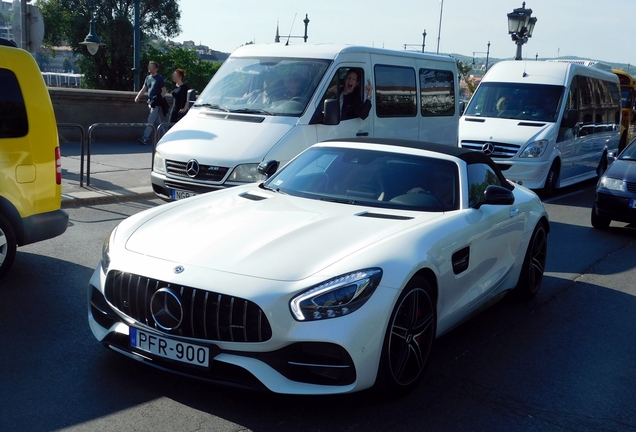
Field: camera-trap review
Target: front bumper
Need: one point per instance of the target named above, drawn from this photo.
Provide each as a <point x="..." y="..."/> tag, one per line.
<point x="615" y="206"/>
<point x="529" y="174"/>
<point x="43" y="226"/>
<point x="164" y="185"/>
<point x="338" y="355"/>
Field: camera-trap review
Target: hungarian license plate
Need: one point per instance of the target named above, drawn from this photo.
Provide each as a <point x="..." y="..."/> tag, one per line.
<point x="168" y="348"/>
<point x="632" y="203"/>
<point x="179" y="194"/>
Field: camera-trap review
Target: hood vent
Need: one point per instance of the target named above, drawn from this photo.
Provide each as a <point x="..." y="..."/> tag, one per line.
<point x="252" y="197"/>
<point x="233" y="117"/>
<point x="473" y="119"/>
<point x="384" y="216"/>
<point x="530" y="124"/>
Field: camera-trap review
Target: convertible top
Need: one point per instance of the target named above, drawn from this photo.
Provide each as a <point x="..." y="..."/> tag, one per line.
<point x="468" y="156"/>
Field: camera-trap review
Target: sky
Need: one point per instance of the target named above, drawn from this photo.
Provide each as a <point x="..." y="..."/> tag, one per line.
<point x="597" y="29"/>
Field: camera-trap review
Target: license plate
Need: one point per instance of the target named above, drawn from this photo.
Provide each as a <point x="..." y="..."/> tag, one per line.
<point x="632" y="203"/>
<point x="168" y="348"/>
<point x="179" y="195"/>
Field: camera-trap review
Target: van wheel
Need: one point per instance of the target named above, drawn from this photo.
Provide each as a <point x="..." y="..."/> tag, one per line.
<point x="8" y="245"/>
<point x="551" y="181"/>
<point x="408" y="339"/>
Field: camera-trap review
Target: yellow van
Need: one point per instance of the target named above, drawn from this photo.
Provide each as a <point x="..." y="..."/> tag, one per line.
<point x="30" y="170"/>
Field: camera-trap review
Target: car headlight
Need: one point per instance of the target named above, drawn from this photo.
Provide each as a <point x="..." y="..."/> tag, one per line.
<point x="336" y="297"/>
<point x="612" y="183"/>
<point x="159" y="163"/>
<point x="535" y="149"/>
<point x="106" y="250"/>
<point x="247" y="173"/>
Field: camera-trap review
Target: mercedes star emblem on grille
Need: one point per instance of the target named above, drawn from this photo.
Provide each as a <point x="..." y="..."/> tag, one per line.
<point x="179" y="269"/>
<point x="192" y="168"/>
<point x="488" y="148"/>
<point x="166" y="309"/>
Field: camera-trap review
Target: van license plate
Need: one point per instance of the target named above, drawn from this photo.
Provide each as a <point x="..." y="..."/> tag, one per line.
<point x="168" y="348"/>
<point x="179" y="195"/>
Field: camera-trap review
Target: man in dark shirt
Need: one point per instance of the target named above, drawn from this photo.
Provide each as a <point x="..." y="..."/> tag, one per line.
<point x="156" y="87"/>
<point x="350" y="104"/>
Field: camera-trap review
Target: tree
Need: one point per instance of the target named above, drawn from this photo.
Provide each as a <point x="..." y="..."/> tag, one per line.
<point x="464" y="71"/>
<point x="67" y="21"/>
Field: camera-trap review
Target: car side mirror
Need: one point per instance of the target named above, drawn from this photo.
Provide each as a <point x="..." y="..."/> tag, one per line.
<point x="331" y="112"/>
<point x="571" y="118"/>
<point x="462" y="108"/>
<point x="497" y="195"/>
<point x="268" y="168"/>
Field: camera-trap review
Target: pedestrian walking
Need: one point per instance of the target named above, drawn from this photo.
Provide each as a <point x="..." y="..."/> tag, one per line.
<point x="156" y="88"/>
<point x="180" y="103"/>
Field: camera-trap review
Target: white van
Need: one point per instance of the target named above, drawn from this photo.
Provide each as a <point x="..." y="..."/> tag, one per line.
<point x="547" y="124"/>
<point x="235" y="125"/>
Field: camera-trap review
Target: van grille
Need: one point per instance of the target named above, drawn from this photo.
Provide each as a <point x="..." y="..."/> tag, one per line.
<point x="206" y="315"/>
<point x="501" y="150"/>
<point x="206" y="172"/>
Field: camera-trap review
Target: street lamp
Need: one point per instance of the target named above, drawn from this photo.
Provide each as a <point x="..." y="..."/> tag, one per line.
<point x="481" y="52"/>
<point x="91" y="40"/>
<point x="520" y="27"/>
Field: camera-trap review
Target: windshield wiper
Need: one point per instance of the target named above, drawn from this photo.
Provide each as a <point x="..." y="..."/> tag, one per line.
<point x="251" y="111"/>
<point x="212" y="106"/>
<point x="340" y="200"/>
<point x="271" y="189"/>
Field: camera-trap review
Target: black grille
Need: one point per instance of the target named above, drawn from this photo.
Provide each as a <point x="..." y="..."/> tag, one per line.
<point x="206" y="172"/>
<point x="206" y="315"/>
<point x="631" y="186"/>
<point x="501" y="150"/>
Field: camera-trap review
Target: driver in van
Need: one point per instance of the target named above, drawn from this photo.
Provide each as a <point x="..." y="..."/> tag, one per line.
<point x="294" y="86"/>
<point x="350" y="104"/>
<point x="267" y="95"/>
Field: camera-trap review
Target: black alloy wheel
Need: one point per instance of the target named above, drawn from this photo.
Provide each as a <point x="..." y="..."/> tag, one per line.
<point x="409" y="338"/>
<point x="534" y="263"/>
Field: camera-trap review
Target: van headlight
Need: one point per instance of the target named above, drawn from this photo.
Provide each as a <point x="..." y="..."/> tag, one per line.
<point x="246" y="173"/>
<point x="336" y="297"/>
<point x="106" y="250"/>
<point x="159" y="163"/>
<point x="535" y="149"/>
<point x="612" y="183"/>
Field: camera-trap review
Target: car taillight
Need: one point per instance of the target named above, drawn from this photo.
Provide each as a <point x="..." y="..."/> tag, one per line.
<point x="58" y="166"/>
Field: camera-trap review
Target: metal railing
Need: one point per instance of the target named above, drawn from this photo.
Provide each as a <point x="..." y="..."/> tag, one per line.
<point x="82" y="140"/>
<point x="114" y="125"/>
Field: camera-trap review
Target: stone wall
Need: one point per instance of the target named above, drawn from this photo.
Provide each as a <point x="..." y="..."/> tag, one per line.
<point x="87" y="107"/>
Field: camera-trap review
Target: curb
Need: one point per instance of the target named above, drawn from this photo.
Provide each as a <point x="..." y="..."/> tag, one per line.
<point x="95" y="197"/>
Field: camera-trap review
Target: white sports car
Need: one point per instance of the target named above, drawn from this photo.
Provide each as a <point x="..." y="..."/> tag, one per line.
<point x="335" y="274"/>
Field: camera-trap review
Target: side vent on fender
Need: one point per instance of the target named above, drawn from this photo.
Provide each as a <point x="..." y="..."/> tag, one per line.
<point x="252" y="197"/>
<point x="460" y="260"/>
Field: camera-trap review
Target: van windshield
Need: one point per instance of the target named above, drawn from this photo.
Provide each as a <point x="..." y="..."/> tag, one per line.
<point x="264" y="85"/>
<point x="537" y="102"/>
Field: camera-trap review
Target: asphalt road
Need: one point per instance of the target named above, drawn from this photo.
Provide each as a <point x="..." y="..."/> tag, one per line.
<point x="564" y="361"/>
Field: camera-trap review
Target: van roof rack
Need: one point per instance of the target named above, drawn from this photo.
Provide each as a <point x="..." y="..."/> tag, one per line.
<point x="589" y="63"/>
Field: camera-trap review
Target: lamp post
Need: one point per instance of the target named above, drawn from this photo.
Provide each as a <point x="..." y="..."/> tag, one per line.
<point x="481" y="52"/>
<point x="136" y="48"/>
<point x="439" y="29"/>
<point x="520" y="27"/>
<point x="91" y="40"/>
<point x="417" y="45"/>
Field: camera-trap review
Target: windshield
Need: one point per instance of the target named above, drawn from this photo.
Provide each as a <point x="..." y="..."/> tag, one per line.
<point x="537" y="102"/>
<point x="269" y="86"/>
<point x="371" y="178"/>
<point x="630" y="151"/>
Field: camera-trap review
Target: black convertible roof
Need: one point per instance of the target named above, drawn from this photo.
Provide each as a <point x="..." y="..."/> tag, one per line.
<point x="468" y="156"/>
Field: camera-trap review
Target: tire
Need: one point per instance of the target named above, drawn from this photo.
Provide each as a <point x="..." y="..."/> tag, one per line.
<point x="8" y="245"/>
<point x="622" y="144"/>
<point x="551" y="181"/>
<point x="599" y="222"/>
<point x="533" y="264"/>
<point x="409" y="339"/>
<point x="602" y="166"/>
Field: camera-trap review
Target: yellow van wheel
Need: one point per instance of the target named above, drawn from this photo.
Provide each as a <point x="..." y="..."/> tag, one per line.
<point x="8" y="245"/>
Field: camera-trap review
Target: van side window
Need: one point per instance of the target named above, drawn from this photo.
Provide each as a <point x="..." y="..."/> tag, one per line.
<point x="337" y="82"/>
<point x="480" y="176"/>
<point x="437" y="92"/>
<point x="598" y="106"/>
<point x="395" y="91"/>
<point x="13" y="117"/>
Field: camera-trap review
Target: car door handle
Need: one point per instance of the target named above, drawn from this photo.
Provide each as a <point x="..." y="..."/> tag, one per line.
<point x="514" y="212"/>
<point x="362" y="134"/>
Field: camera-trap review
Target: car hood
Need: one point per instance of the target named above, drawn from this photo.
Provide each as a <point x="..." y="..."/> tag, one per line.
<point x="281" y="237"/>
<point x="509" y="131"/>
<point x="221" y="139"/>
<point x="622" y="170"/>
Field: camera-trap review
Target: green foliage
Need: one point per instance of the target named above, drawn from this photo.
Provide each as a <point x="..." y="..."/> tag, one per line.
<point x="464" y="71"/>
<point x="67" y="22"/>
<point x="42" y="58"/>
<point x="198" y="71"/>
